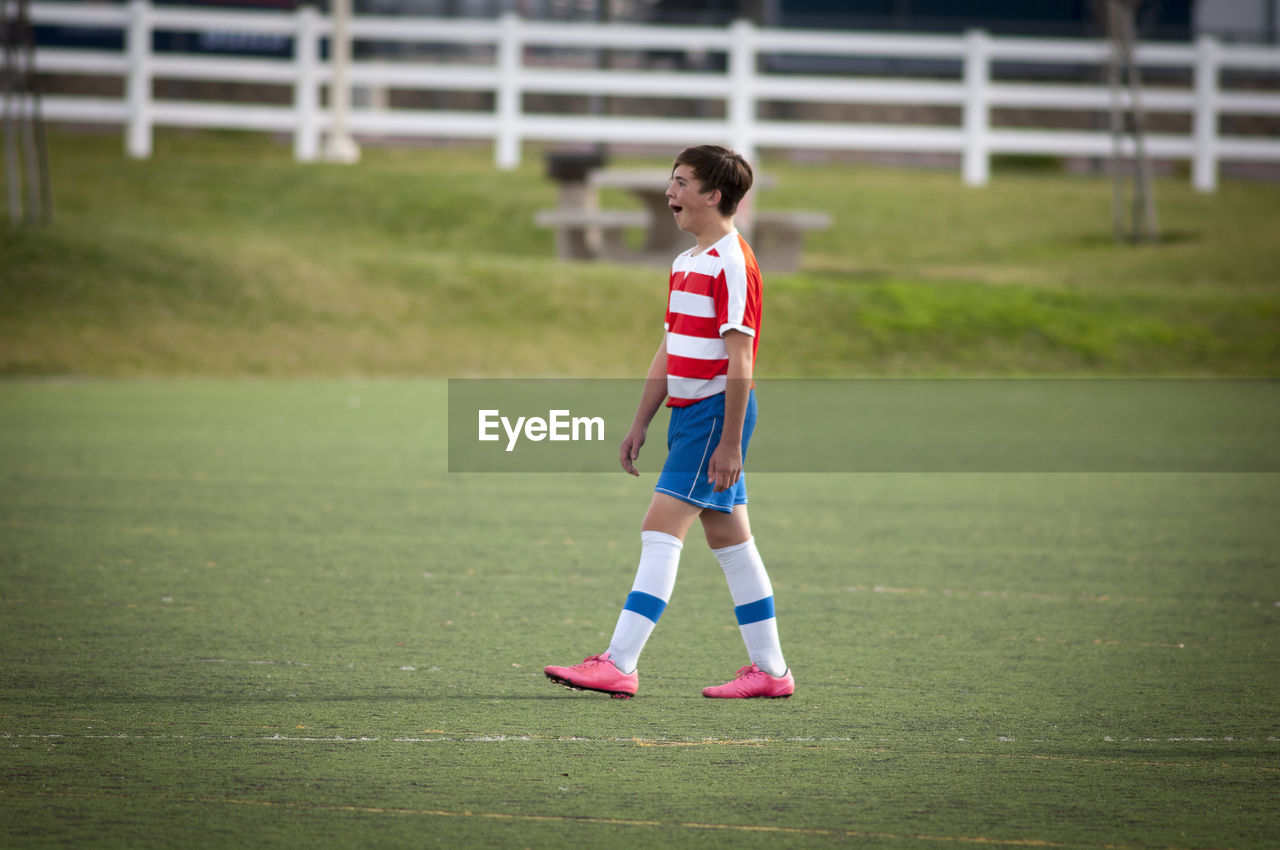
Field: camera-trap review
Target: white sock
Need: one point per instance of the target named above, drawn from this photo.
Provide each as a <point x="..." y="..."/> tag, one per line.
<point x="655" y="579"/>
<point x="753" y="604"/>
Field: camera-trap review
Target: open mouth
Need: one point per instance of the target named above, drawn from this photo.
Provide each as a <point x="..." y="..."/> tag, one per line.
<point x="675" y="209"/>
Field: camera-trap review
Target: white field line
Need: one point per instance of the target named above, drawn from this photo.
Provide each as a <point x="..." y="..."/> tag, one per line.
<point x="446" y="738"/>
<point x="959" y="593"/>
<point x="580" y="820"/>
<point x="236" y="661"/>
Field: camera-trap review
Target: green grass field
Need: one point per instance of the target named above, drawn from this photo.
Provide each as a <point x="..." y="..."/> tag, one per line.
<point x="258" y="613"/>
<point x="243" y="604"/>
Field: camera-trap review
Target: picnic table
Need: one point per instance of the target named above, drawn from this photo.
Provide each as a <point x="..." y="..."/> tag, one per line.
<point x="584" y="231"/>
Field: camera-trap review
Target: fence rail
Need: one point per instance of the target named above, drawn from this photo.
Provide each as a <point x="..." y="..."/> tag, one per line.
<point x="512" y="69"/>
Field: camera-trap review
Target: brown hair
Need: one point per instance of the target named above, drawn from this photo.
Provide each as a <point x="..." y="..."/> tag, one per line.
<point x="719" y="168"/>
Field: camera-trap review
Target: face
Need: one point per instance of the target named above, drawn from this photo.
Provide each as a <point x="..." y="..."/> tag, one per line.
<point x="690" y="205"/>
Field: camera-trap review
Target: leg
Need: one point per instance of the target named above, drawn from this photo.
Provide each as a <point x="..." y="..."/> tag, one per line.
<point x="671" y="516"/>
<point x="729" y="536"/>
<point x="724" y="529"/>
<point x="662" y="537"/>
<point x="665" y="525"/>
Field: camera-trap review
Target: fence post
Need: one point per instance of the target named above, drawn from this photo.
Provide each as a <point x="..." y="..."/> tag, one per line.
<point x="977" y="115"/>
<point x="138" y="83"/>
<point x="1204" y="168"/>
<point x="742" y="97"/>
<point x="507" y="98"/>
<point x="306" y="86"/>
<point x="339" y="146"/>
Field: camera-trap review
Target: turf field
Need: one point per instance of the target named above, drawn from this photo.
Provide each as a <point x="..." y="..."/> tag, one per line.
<point x="259" y="613"/>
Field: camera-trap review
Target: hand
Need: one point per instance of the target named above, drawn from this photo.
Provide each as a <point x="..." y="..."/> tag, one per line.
<point x="630" y="449"/>
<point x="725" y="467"/>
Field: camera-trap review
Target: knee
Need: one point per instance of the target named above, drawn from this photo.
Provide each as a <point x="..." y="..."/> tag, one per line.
<point x="721" y="538"/>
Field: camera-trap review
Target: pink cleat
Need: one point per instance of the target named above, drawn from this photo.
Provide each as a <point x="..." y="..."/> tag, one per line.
<point x="754" y="682"/>
<point x="596" y="673"/>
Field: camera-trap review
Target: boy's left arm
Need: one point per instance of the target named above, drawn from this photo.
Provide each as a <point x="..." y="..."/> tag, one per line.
<point x="725" y="466"/>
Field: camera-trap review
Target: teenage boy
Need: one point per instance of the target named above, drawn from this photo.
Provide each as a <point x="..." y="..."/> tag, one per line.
<point x="703" y="370"/>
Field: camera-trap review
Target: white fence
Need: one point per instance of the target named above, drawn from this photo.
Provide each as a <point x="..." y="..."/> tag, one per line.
<point x="510" y="72"/>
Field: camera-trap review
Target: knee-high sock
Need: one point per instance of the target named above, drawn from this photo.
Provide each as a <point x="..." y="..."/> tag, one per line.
<point x="655" y="579"/>
<point x="753" y="604"/>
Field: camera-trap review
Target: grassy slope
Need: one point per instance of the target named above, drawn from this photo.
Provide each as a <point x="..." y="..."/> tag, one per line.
<point x="222" y="256"/>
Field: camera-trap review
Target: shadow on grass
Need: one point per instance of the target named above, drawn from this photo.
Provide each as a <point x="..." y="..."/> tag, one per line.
<point x="1106" y="240"/>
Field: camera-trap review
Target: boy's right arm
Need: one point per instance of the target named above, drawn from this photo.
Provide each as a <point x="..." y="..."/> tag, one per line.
<point x="655" y="390"/>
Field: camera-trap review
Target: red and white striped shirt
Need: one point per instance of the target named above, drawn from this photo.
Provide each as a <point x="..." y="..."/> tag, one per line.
<point x="711" y="292"/>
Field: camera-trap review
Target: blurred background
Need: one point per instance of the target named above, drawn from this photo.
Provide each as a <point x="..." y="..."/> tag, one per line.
<point x="382" y="187"/>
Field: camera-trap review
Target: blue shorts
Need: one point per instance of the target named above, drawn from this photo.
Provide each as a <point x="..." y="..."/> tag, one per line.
<point x="692" y="435"/>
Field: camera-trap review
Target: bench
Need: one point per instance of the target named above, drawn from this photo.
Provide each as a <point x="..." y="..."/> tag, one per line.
<point x="591" y="234"/>
<point x="777" y="236"/>
<point x="585" y="232"/>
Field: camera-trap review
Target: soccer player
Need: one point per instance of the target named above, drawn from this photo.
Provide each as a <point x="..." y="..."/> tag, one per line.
<point x="703" y="370"/>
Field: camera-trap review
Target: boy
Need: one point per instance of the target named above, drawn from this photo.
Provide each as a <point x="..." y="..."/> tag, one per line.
<point x="703" y="369"/>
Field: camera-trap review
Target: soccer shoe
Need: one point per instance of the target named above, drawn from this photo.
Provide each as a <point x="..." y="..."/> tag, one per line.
<point x="751" y="682"/>
<point x="596" y="673"/>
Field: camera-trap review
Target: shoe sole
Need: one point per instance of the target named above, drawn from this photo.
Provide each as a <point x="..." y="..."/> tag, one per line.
<point x="574" y="687"/>
<point x="759" y="696"/>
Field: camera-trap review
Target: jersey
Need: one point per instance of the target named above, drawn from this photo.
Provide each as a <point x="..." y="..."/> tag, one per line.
<point x="710" y="293"/>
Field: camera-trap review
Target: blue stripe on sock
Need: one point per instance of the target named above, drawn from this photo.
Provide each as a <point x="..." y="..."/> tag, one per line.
<point x="754" y="612"/>
<point x="645" y="604"/>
